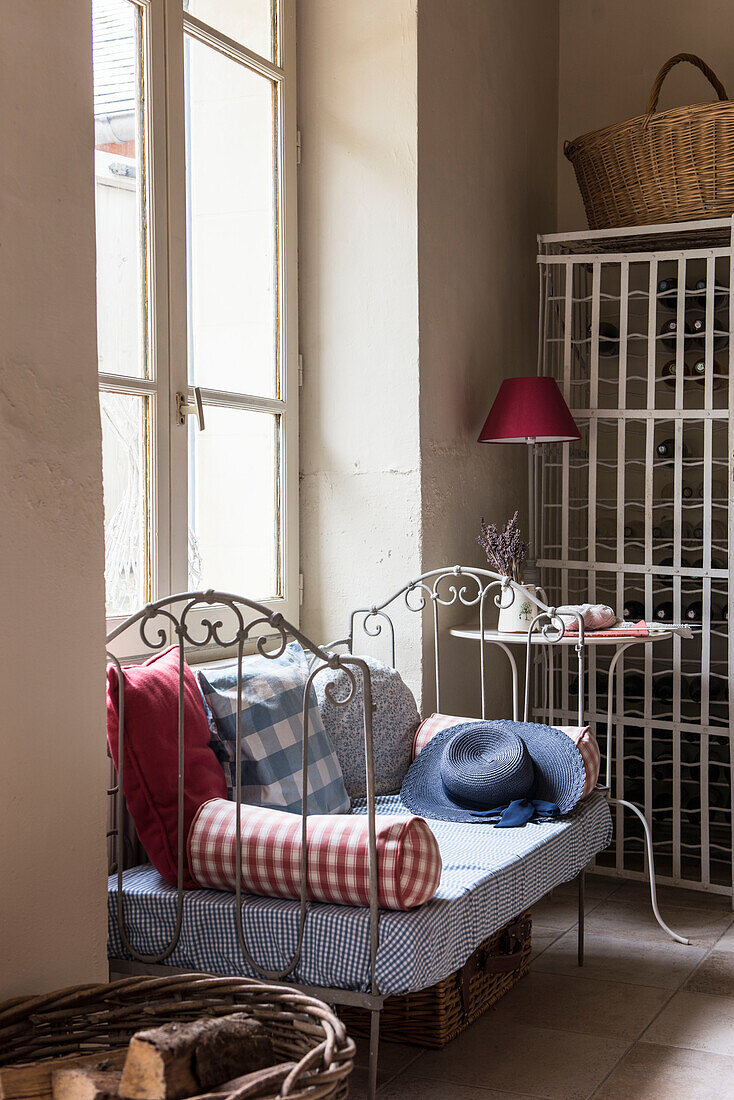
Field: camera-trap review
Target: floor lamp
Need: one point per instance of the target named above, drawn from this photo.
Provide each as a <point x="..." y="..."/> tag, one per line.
<point x="529" y="410"/>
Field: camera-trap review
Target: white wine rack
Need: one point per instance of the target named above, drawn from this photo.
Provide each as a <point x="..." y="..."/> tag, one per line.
<point x="634" y="326"/>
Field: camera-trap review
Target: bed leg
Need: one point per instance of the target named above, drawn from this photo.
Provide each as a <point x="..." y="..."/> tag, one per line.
<point x="374" y="1051"/>
<point x="580" y="926"/>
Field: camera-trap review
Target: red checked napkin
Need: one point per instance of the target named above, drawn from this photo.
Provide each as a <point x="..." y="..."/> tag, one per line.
<point x="622" y="630"/>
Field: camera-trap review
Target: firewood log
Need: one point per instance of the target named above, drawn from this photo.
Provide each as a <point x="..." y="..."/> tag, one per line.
<point x="180" y="1060"/>
<point x="86" y="1083"/>
<point x="34" y="1081"/>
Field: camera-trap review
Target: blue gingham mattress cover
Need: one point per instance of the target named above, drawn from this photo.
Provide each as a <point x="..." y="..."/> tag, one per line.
<point x="489" y="876"/>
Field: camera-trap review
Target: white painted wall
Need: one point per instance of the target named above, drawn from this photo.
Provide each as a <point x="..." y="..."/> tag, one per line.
<point x="610" y="53"/>
<point x="428" y="167"/>
<point x="487" y="124"/>
<point x="360" y="458"/>
<point x="52" y="754"/>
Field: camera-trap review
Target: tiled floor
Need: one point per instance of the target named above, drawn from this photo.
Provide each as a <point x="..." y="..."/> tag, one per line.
<point x="645" y="1019"/>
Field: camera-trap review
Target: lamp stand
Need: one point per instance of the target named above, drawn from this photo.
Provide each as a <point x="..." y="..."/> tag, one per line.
<point x="531" y="573"/>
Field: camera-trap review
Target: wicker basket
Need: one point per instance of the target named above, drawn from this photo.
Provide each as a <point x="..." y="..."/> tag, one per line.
<point x="669" y="167"/>
<point x="434" y="1016"/>
<point x="95" y="1019"/>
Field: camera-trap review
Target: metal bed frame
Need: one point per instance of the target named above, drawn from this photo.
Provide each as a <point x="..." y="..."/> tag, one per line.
<point x="215" y="620"/>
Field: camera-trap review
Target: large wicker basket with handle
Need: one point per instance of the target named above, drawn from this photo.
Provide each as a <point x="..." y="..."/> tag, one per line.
<point x="674" y="166"/>
<point x="100" y="1019"/>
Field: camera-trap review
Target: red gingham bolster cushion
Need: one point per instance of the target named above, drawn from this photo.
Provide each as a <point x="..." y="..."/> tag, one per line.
<point x="582" y="736"/>
<point x="408" y="859"/>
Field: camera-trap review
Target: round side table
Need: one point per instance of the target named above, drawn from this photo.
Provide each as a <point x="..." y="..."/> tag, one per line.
<point x="506" y="642"/>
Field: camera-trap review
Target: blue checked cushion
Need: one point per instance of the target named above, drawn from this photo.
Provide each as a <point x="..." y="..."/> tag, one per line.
<point x="272" y="733"/>
<point x="394" y="724"/>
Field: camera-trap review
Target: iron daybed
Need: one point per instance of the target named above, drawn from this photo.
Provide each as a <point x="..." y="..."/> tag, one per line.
<point x="342" y="954"/>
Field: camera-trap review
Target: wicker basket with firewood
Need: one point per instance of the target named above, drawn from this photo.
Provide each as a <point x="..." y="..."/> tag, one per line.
<point x="173" y="1037"/>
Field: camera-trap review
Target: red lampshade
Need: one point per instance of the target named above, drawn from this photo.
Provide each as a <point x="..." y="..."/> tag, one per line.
<point x="529" y="408"/>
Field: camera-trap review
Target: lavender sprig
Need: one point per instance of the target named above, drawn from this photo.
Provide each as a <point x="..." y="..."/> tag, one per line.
<point x="505" y="549"/>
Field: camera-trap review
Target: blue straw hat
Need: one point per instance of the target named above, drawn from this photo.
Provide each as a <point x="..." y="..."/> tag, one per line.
<point x="499" y="772"/>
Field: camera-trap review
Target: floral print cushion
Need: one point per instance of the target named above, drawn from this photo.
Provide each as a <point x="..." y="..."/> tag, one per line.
<point x="394" y="724"/>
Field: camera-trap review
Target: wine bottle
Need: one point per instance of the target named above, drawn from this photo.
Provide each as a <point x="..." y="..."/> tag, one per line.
<point x="721" y="295"/>
<point x="717" y="688"/>
<point x="690" y="751"/>
<point x="608" y="342"/>
<point x="668" y="292"/>
<point x="719" y="796"/>
<point x="601" y="680"/>
<point x="719" y="531"/>
<point x="669" y="333"/>
<point x="633" y="770"/>
<point x="663" y="529"/>
<point x="668" y="491"/>
<point x="693" y="612"/>
<point x="690" y="799"/>
<point x="634" y="685"/>
<point x="718" y="490"/>
<point x="663" y="612"/>
<point x="718" y="774"/>
<point x="662" y="687"/>
<point x="719" y="375"/>
<point x="662" y="771"/>
<point x="665" y="451"/>
<point x="634" y="791"/>
<point x="716" y="563"/>
<point x="668" y="373"/>
<point x="719" y="751"/>
<point x="633" y="531"/>
<point x="698" y="334"/>
<point x="669" y="562"/>
<point x="606" y="529"/>
<point x="633" y="611"/>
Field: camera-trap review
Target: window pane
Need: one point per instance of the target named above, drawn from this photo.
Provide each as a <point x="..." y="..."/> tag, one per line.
<point x="232" y="232"/>
<point x="233" y="512"/>
<point x="119" y="187"/>
<point x="125" y="468"/>
<point x="252" y="23"/>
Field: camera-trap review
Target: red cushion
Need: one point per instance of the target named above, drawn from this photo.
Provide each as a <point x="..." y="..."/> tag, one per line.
<point x="151" y="755"/>
<point x="408" y="857"/>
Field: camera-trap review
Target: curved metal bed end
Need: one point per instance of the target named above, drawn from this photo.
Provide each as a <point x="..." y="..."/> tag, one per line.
<point x="181" y="620"/>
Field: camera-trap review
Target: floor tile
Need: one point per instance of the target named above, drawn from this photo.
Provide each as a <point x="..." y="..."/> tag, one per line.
<point x="652" y="1072"/>
<point x="663" y="965"/>
<point x="726" y="942"/>
<point x="714" y="975"/>
<point x="699" y="1021"/>
<point x="393" y="1058"/>
<point x="639" y="893"/>
<point x="616" y="918"/>
<point x="559" y="911"/>
<point x="409" y="1087"/>
<point x="613" y="1009"/>
<point x="511" y="1057"/>
<point x="543" y="938"/>
<point x="597" y="887"/>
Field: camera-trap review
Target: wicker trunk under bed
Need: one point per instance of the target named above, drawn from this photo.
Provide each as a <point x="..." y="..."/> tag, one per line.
<point x="434" y="1016"/>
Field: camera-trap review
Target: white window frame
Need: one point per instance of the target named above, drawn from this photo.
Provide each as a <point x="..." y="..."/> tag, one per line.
<point x="165" y="22"/>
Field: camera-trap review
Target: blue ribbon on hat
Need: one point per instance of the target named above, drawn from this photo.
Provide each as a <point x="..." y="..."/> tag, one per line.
<point x="517" y="813"/>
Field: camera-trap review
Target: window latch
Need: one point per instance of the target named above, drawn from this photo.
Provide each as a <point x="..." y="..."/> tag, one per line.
<point x="184" y="409"/>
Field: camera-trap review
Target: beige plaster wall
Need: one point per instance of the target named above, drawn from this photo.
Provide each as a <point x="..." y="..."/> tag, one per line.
<point x="360" y="461"/>
<point x="52" y="755"/>
<point x="610" y="53"/>
<point x="487" y="124"/>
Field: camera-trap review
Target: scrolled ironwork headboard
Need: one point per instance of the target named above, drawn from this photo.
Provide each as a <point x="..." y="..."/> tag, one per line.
<point x="184" y="620"/>
<point x="469" y="587"/>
